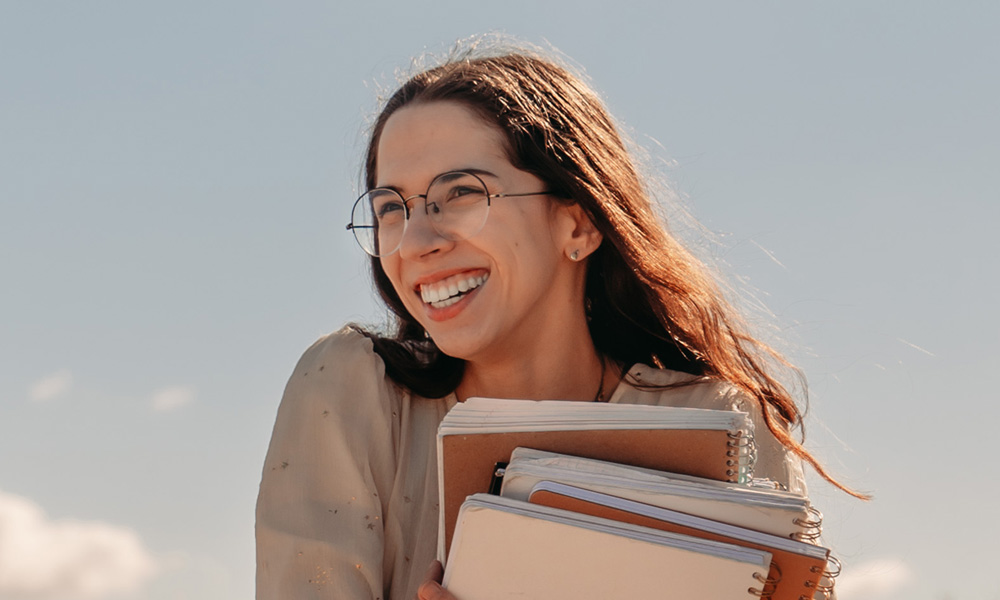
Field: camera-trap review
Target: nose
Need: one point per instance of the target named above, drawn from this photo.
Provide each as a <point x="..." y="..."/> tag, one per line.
<point x="420" y="238"/>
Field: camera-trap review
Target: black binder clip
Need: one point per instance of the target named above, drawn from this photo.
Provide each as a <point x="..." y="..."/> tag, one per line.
<point x="497" y="480"/>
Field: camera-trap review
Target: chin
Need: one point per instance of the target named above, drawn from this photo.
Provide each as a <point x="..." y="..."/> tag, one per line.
<point x="457" y="345"/>
<point x="453" y="348"/>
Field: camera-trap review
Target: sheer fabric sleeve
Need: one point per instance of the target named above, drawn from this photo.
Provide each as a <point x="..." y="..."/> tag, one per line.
<point x="327" y="477"/>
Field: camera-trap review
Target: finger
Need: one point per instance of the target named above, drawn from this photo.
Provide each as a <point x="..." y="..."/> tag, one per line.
<point x="434" y="571"/>
<point x="432" y="590"/>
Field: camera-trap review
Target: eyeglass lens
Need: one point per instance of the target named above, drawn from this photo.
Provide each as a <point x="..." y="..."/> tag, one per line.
<point x="456" y="203"/>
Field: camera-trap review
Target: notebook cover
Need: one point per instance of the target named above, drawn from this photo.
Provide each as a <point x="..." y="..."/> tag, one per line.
<point x="797" y="575"/>
<point x="468" y="460"/>
<point x="507" y="556"/>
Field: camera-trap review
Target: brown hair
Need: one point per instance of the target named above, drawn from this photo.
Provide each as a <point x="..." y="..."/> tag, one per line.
<point x="650" y="300"/>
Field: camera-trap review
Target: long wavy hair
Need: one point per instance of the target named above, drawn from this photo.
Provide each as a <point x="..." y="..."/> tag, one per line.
<point x="650" y="300"/>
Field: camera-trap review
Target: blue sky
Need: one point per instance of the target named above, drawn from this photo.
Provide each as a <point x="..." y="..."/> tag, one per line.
<point x="175" y="177"/>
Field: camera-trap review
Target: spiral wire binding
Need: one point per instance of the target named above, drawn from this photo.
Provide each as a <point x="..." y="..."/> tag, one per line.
<point x="815" y="522"/>
<point x="766" y="582"/>
<point x="832" y="573"/>
<point x="742" y="455"/>
<point x="823" y="592"/>
<point x="827" y="580"/>
<point x="812" y="527"/>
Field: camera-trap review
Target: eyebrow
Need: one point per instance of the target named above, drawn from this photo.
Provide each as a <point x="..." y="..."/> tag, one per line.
<point x="473" y="170"/>
<point x="476" y="171"/>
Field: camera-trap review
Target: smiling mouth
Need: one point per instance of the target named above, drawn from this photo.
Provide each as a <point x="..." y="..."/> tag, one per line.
<point x="450" y="290"/>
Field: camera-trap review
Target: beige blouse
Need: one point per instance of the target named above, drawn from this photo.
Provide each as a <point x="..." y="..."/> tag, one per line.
<point x="348" y="503"/>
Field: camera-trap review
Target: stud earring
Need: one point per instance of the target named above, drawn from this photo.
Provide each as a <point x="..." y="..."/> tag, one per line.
<point x="575" y="255"/>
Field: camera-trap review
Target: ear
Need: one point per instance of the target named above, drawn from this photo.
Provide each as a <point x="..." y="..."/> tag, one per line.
<point x="580" y="236"/>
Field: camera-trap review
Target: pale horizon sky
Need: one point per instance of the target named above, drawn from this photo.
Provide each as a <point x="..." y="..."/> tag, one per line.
<point x="175" y="179"/>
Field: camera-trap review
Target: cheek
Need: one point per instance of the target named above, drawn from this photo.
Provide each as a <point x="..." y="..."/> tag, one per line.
<point x="390" y="266"/>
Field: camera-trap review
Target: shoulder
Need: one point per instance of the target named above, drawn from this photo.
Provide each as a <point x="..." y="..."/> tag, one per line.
<point x="648" y="385"/>
<point x="341" y="373"/>
<point x="674" y="388"/>
<point x="347" y="348"/>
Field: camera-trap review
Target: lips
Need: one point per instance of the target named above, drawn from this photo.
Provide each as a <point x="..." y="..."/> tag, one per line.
<point x="448" y="291"/>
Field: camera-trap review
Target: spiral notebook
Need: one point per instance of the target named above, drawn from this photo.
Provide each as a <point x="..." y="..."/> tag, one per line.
<point x="503" y="550"/>
<point x="797" y="569"/>
<point x="477" y="435"/>
<point x="754" y="506"/>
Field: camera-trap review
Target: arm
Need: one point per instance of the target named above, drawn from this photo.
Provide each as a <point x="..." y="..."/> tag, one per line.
<point x="327" y="477"/>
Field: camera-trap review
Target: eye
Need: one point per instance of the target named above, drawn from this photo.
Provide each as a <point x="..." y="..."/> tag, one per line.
<point x="463" y="190"/>
<point x="389" y="210"/>
<point x="386" y="206"/>
<point x="456" y="189"/>
<point x="465" y="193"/>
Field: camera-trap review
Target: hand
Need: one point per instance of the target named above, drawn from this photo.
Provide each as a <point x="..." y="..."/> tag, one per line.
<point x="431" y="588"/>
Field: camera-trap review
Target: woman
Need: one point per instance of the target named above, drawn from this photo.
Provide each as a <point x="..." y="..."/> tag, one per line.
<point x="512" y="238"/>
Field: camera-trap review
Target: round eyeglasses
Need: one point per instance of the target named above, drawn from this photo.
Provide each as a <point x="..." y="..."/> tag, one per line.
<point x="456" y="203"/>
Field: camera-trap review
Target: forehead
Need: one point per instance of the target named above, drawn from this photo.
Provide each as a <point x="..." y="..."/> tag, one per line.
<point x="421" y="141"/>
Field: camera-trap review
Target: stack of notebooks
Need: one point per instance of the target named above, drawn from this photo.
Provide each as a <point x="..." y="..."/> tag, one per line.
<point x="625" y="501"/>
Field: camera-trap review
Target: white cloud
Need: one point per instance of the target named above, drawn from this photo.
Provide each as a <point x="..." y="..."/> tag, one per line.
<point x="41" y="558"/>
<point x="50" y="386"/>
<point x="173" y="397"/>
<point x="873" y="579"/>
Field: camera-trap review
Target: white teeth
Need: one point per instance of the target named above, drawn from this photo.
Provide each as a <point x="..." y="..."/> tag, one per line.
<point x="447" y="292"/>
<point x="447" y="302"/>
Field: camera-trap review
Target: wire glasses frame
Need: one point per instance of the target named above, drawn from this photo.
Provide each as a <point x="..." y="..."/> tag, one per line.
<point x="457" y="204"/>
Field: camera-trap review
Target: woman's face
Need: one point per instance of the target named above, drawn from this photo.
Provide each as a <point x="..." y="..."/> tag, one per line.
<point x="503" y="290"/>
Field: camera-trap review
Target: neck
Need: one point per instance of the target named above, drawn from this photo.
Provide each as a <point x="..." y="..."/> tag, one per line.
<point x="569" y="370"/>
